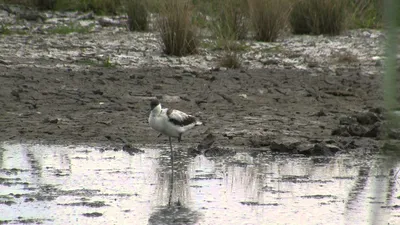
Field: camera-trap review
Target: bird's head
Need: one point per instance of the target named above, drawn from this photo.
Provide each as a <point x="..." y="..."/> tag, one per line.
<point x="154" y="103"/>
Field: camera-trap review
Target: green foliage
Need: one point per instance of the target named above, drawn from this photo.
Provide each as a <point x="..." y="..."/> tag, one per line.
<point x="268" y="17"/>
<point x="318" y="16"/>
<point x="70" y="28"/>
<point x="176" y="28"/>
<point x="97" y="6"/>
<point x="108" y="64"/>
<point x="137" y="15"/>
<point x="366" y="13"/>
<point x="4" y="30"/>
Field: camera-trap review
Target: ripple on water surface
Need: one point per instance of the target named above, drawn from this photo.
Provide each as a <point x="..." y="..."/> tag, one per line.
<point x="82" y="185"/>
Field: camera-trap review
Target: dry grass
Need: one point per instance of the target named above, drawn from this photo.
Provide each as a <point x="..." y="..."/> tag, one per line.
<point x="318" y="16"/>
<point x="175" y="25"/>
<point x="137" y="15"/>
<point x="230" y="60"/>
<point x="268" y="17"/>
<point x="230" y="20"/>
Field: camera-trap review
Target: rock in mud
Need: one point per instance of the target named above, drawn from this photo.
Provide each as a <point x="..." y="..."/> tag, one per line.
<point x="219" y="152"/>
<point x="131" y="150"/>
<point x="375" y="131"/>
<point x="357" y="130"/>
<point x="93" y="214"/>
<point x="259" y="141"/>
<point x="322" y="149"/>
<point x="347" y="120"/>
<point x="207" y="142"/>
<point x="366" y="118"/>
<point x="205" y="147"/>
<point x="285" y="145"/>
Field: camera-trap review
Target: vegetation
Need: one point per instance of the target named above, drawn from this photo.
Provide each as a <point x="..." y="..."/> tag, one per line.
<point x="230" y="20"/>
<point x="365" y="13"/>
<point x="137" y="15"/>
<point x="268" y="18"/>
<point x="318" y="16"/>
<point x="230" y="60"/>
<point x="5" y="30"/>
<point x="70" y="28"/>
<point x="177" y="31"/>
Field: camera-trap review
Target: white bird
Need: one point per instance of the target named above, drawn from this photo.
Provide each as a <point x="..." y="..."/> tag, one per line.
<point x="172" y="123"/>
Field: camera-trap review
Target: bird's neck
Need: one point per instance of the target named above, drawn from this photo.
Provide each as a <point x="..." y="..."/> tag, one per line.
<point x="157" y="110"/>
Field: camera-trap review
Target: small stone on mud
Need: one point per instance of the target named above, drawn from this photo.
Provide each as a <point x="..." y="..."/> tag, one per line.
<point x="218" y="152"/>
<point x="259" y="141"/>
<point x="347" y="120"/>
<point x="357" y="130"/>
<point x="97" y="92"/>
<point x="374" y="131"/>
<point x="341" y="131"/>
<point x="93" y="214"/>
<point x="325" y="150"/>
<point x="366" y="118"/>
<point x="207" y="142"/>
<point x="321" y="113"/>
<point x="131" y="150"/>
<point x="51" y="120"/>
<point x="285" y="145"/>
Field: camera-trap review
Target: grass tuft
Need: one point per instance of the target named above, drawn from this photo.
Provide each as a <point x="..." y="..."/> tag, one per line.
<point x="107" y="63"/>
<point x="230" y="20"/>
<point x="137" y="15"/>
<point x="176" y="29"/>
<point x="318" y="16"/>
<point x="230" y="60"/>
<point x="366" y="13"/>
<point x="268" y="18"/>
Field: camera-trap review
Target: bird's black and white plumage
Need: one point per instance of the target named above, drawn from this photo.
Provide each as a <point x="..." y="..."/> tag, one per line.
<point x="170" y="122"/>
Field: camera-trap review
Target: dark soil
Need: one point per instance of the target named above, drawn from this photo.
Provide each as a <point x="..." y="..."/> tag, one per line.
<point x="248" y="108"/>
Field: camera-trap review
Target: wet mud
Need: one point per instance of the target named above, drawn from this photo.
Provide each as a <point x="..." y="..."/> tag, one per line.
<point x="284" y="110"/>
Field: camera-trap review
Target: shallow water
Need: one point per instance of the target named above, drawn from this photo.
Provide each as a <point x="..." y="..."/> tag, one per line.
<point x="83" y="185"/>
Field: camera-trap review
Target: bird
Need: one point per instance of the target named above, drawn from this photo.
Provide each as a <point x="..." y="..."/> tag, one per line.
<point x="172" y="123"/>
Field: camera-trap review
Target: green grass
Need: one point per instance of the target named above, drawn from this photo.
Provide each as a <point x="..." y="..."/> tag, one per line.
<point x="71" y="28"/>
<point x="5" y="30"/>
<point x="268" y="18"/>
<point x="108" y="64"/>
<point x="230" y="20"/>
<point x="177" y="30"/>
<point x="318" y="17"/>
<point x="137" y="15"/>
<point x="102" y="7"/>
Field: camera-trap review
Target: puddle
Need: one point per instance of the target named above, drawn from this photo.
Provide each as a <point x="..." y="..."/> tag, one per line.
<point x="83" y="185"/>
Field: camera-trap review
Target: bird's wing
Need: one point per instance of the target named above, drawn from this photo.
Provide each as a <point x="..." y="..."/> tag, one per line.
<point x="180" y="118"/>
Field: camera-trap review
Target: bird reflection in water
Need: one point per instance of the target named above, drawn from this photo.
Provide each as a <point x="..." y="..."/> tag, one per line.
<point x="173" y="194"/>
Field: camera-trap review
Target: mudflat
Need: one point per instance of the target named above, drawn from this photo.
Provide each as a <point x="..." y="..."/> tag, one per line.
<point x="249" y="108"/>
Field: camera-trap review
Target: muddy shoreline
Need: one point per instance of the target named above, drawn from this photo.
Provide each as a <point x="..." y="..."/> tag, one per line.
<point x="249" y="108"/>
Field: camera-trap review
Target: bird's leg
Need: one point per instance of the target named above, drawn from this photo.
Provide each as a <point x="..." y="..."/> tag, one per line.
<point x="172" y="174"/>
<point x="159" y="135"/>
<point x="180" y="138"/>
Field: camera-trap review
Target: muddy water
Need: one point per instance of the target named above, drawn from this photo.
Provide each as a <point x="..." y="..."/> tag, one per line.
<point x="85" y="185"/>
